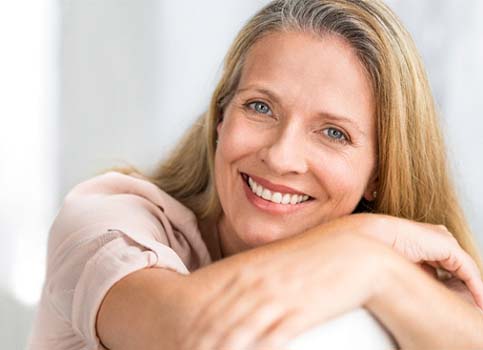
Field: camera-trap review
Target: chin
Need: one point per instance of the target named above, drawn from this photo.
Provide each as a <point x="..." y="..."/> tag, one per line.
<point x="257" y="236"/>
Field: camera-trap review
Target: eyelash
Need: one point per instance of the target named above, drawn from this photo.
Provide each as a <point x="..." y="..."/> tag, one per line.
<point x="250" y="106"/>
<point x="343" y="141"/>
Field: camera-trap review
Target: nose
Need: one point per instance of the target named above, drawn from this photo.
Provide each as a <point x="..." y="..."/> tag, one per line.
<point x="284" y="153"/>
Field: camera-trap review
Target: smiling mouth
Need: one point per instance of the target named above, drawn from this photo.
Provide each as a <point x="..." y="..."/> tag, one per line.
<point x="273" y="196"/>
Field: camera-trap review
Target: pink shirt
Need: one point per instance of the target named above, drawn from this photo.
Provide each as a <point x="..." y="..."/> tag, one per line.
<point x="108" y="226"/>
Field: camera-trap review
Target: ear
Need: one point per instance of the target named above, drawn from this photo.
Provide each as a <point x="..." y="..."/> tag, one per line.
<point x="372" y="186"/>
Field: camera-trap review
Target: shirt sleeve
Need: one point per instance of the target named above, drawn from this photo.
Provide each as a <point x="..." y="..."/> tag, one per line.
<point x="95" y="241"/>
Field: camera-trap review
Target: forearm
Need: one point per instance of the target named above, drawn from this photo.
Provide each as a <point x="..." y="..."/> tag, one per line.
<point x="139" y="311"/>
<point x="422" y="313"/>
<point x="151" y="308"/>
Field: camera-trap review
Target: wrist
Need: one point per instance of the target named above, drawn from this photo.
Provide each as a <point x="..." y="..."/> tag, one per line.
<point x="391" y="275"/>
<point x="405" y="302"/>
<point x="390" y="298"/>
<point x="376" y="226"/>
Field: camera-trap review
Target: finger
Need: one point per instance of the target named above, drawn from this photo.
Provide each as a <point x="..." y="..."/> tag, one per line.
<point x="441" y="274"/>
<point x="199" y="338"/>
<point x="209" y="302"/>
<point x="240" y="322"/>
<point x="467" y="272"/>
<point x="286" y="329"/>
<point x="250" y="311"/>
<point x="247" y="330"/>
<point x="210" y="326"/>
<point x="429" y="270"/>
<point x="461" y="265"/>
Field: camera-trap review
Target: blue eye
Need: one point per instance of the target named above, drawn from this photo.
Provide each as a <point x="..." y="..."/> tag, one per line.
<point x="335" y="135"/>
<point x="260" y="107"/>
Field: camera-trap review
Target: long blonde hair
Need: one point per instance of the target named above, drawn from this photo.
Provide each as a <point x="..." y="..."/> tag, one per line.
<point x="413" y="173"/>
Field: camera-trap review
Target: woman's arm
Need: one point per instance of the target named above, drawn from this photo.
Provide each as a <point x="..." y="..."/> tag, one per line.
<point x="152" y="308"/>
<point x="430" y="246"/>
<point x="424" y="314"/>
<point x="156" y="308"/>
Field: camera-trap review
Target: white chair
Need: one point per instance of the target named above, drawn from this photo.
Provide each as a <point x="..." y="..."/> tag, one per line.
<point x="357" y="329"/>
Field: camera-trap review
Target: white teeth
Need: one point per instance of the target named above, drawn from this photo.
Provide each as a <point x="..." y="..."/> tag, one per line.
<point x="266" y="194"/>
<point x="286" y="198"/>
<point x="276" y="197"/>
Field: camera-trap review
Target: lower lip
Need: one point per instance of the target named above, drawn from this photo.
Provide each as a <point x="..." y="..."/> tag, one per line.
<point x="270" y="207"/>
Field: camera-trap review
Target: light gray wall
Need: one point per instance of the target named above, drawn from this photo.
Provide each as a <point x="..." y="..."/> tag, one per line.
<point x="135" y="74"/>
<point x="109" y="85"/>
<point x="449" y="36"/>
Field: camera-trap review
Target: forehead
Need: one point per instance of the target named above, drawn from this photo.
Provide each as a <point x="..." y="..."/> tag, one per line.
<point x="314" y="72"/>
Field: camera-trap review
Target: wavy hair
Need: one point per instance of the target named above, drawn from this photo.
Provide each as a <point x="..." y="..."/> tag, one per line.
<point x="413" y="171"/>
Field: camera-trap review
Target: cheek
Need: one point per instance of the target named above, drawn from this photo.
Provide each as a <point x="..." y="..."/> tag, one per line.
<point x="236" y="143"/>
<point x="238" y="139"/>
<point x="343" y="175"/>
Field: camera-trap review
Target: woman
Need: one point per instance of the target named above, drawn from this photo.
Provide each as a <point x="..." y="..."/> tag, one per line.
<point x="323" y="111"/>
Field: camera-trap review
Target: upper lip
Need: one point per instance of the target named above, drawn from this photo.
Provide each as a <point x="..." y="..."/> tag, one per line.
<point x="275" y="187"/>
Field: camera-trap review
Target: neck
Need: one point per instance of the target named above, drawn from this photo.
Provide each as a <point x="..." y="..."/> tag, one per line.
<point x="230" y="244"/>
<point x="208" y="230"/>
<point x="220" y="238"/>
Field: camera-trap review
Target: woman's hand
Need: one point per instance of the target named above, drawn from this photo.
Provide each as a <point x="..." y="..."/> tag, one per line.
<point x="424" y="243"/>
<point x="266" y="305"/>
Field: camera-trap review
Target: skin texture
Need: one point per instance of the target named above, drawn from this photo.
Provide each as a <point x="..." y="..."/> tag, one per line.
<point x="430" y="246"/>
<point x="282" y="288"/>
<point x="312" y="82"/>
<point x="262" y="307"/>
<point x="280" y="275"/>
<point x="252" y="300"/>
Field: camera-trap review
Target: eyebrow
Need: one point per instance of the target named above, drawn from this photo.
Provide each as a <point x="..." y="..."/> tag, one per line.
<point x="324" y="114"/>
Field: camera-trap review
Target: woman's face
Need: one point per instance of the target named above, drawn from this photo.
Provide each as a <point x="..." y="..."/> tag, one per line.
<point x="300" y="125"/>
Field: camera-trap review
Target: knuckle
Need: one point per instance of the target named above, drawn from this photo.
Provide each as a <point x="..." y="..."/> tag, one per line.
<point x="452" y="263"/>
<point x="443" y="229"/>
<point x="453" y="241"/>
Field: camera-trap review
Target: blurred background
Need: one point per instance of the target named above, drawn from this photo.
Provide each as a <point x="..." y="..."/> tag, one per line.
<point x="89" y="84"/>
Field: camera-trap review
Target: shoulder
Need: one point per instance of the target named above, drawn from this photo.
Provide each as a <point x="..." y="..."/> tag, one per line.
<point x="132" y="205"/>
<point x="112" y="183"/>
<point x="107" y="227"/>
<point x="132" y="190"/>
